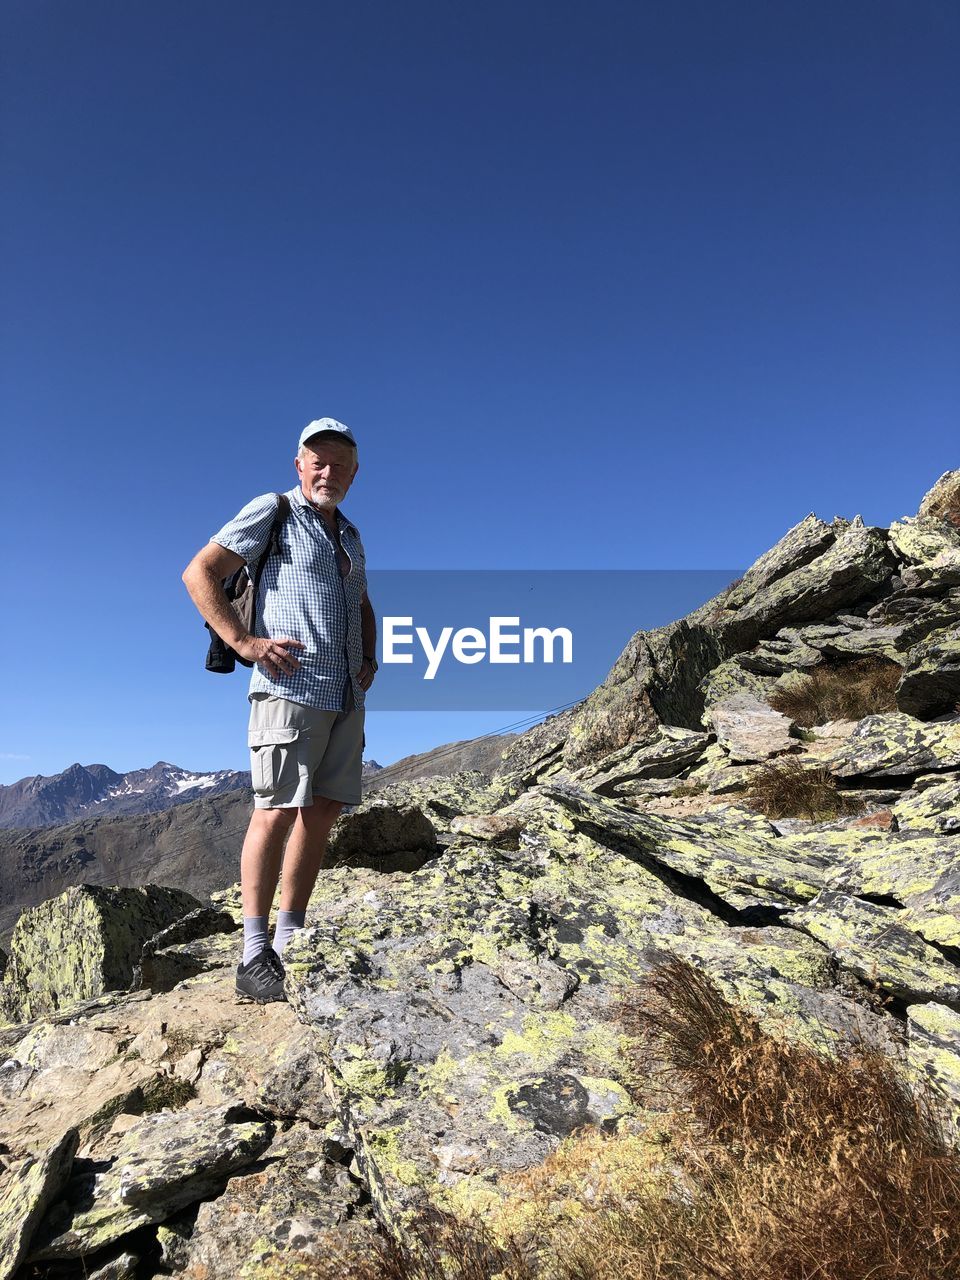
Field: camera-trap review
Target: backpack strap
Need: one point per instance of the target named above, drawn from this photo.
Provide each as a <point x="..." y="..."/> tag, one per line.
<point x="273" y="543"/>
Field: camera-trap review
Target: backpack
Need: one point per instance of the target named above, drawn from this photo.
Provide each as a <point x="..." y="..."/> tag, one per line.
<point x="241" y="590"/>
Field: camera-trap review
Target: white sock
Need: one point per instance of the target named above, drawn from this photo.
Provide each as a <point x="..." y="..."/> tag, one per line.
<point x="254" y="936"/>
<point x="287" y="921"/>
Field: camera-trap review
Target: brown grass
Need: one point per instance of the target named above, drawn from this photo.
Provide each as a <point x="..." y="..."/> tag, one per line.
<point x="784" y="1164"/>
<point x="863" y="687"/>
<point x="788" y="789"/>
<point x="167" y="1091"/>
<point x="808" y="1167"/>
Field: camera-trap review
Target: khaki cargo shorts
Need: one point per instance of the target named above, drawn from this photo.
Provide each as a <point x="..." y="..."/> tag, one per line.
<point x="298" y="752"/>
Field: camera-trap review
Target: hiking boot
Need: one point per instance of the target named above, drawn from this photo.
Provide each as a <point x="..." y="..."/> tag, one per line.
<point x="262" y="978"/>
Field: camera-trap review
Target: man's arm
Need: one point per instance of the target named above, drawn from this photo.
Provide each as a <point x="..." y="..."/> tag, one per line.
<point x="368" y="637"/>
<point x="203" y="578"/>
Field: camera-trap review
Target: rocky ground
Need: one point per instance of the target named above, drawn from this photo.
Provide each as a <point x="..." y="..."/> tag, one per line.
<point x="453" y="1001"/>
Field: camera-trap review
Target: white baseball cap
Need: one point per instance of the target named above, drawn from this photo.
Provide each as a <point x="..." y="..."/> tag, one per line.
<point x="323" y="425"/>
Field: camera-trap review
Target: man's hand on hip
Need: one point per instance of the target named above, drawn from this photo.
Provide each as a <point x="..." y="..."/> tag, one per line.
<point x="365" y="675"/>
<point x="273" y="655"/>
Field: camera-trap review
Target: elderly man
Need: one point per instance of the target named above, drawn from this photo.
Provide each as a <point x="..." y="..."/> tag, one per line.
<point x="313" y="652"/>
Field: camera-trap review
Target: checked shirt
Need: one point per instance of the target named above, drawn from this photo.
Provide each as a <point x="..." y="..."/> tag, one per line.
<point x="303" y="596"/>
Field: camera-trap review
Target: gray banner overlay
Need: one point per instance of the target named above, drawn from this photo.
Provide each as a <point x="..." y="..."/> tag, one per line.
<point x="521" y="639"/>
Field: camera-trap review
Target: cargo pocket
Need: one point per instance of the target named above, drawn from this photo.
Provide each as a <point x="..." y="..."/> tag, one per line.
<point x="273" y="759"/>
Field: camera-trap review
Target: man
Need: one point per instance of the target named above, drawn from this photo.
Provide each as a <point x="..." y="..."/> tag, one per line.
<point x="313" y="647"/>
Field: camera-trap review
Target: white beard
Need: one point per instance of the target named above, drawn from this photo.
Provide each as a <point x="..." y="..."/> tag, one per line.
<point x="326" y="500"/>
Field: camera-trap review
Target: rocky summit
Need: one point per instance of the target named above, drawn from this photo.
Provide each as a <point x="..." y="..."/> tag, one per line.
<point x="768" y="788"/>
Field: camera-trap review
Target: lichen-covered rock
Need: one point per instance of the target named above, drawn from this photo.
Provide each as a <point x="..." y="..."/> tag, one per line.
<point x="933" y="1033"/>
<point x="736" y="865"/>
<point x="375" y="830"/>
<point x="895" y="745"/>
<point x="888" y="642"/>
<point x="439" y="798"/>
<point x="943" y="500"/>
<point x="800" y="545"/>
<point x="856" y="564"/>
<point x="919" y="872"/>
<point x="464" y="1013"/>
<point x="930" y="684"/>
<point x="296" y="1085"/>
<point x="780" y="655"/>
<point x="672" y="752"/>
<point x="934" y="575"/>
<point x="486" y="826"/>
<point x="27" y="1188"/>
<point x="657" y="680"/>
<point x="870" y="941"/>
<point x="730" y="677"/>
<point x="921" y="538"/>
<point x="82" y="943"/>
<point x="47" y="1047"/>
<point x="750" y="730"/>
<point x="934" y="809"/>
<point x="123" y="1265"/>
<point x="163" y="967"/>
<point x="165" y="1161"/>
<point x="534" y="754"/>
<point x="289" y="1209"/>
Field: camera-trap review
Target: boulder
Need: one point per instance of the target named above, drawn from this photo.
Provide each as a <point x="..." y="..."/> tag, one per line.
<point x="870" y="941"/>
<point x="855" y="565"/>
<point x="165" y="1161"/>
<point x="27" y="1189"/>
<point x="733" y="868"/>
<point x="283" y="1211"/>
<point x="672" y="752"/>
<point x="934" y="809"/>
<point x="805" y="542"/>
<point x="377" y="830"/>
<point x="943" y="499"/>
<point x="933" y="1040"/>
<point x="896" y="745"/>
<point x="921" y="538"/>
<point x="936" y="575"/>
<point x="494" y="827"/>
<point x="750" y="730"/>
<point x="83" y="943"/>
<point x="930" y="684"/>
<point x="732" y="676"/>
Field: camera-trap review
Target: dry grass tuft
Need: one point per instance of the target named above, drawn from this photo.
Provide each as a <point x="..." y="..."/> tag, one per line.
<point x="785" y="1164"/>
<point x="863" y="687"/>
<point x="809" y="1167"/>
<point x="788" y="789"/>
<point x="438" y="1247"/>
<point x="167" y="1092"/>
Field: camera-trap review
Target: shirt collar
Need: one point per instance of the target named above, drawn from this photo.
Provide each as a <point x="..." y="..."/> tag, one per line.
<point x="297" y="497"/>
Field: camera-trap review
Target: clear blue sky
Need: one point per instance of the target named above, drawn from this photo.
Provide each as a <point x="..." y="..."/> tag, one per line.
<point x="612" y="285"/>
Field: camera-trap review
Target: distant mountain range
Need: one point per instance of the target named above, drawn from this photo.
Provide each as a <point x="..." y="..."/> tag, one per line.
<point x="94" y="791"/>
<point x="90" y="825"/>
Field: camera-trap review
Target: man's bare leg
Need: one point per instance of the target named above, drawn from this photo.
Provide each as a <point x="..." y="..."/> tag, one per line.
<point x="259" y="873"/>
<point x="305" y="852"/>
<point x="261" y="856"/>
<point x="301" y="863"/>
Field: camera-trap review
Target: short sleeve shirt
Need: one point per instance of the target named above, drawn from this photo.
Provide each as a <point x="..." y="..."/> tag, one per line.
<point x="302" y="595"/>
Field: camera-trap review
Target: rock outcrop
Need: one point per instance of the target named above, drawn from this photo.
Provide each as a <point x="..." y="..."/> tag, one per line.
<point x="83" y="943"/>
<point x="454" y="1001"/>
